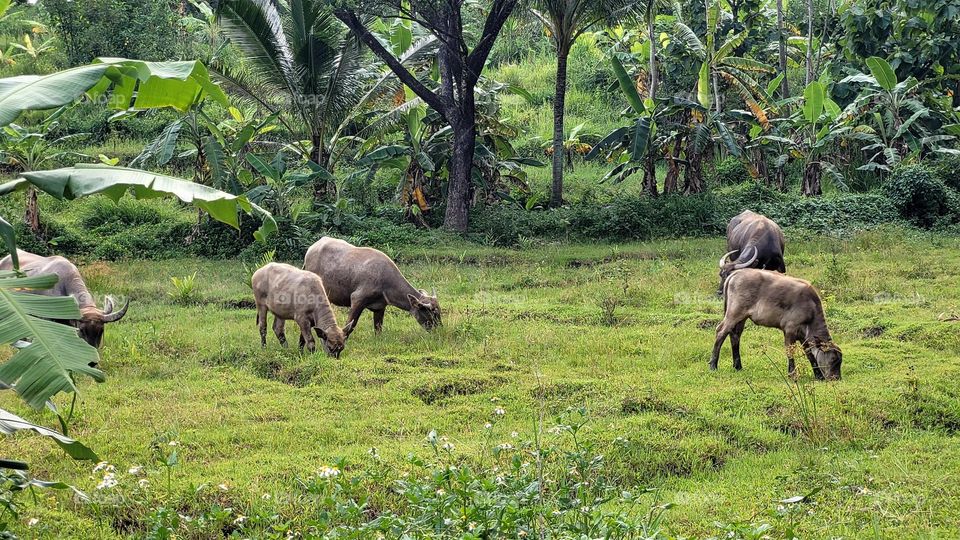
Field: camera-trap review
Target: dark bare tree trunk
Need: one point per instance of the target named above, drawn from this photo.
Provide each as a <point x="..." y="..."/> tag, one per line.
<point x="693" y="174"/>
<point x="559" y="99"/>
<point x="811" y="180"/>
<point x="650" y="173"/>
<point x="781" y="32"/>
<point x="32" y="214"/>
<point x="759" y="161"/>
<point x="459" y="190"/>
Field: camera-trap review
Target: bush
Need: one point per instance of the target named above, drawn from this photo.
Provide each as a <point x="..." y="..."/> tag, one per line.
<point x="919" y="195"/>
<point x="730" y="171"/>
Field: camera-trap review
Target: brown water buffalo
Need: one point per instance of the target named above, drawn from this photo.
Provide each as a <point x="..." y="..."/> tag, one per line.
<point x="758" y="243"/>
<point x="70" y="283"/>
<point x="364" y="278"/>
<point x="778" y="301"/>
<point x="291" y="293"/>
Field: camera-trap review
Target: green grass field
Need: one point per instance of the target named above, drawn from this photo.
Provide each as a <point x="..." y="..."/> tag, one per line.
<point x="625" y="331"/>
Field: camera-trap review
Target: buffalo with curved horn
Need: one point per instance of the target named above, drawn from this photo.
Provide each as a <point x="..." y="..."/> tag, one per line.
<point x="757" y="241"/>
<point x="70" y="283"/>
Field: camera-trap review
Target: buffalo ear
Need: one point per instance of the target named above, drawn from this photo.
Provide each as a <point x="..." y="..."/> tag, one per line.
<point x="414" y="301"/>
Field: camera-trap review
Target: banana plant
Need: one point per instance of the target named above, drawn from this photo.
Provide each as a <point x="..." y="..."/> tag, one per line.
<point x="812" y="133"/>
<point x="891" y="118"/>
<point x="722" y="63"/>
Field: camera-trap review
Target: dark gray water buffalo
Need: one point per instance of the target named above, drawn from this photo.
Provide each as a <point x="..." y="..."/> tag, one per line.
<point x="778" y="301"/>
<point x="758" y="243"/>
<point x="364" y="278"/>
<point x="70" y="283"/>
<point x="291" y="293"/>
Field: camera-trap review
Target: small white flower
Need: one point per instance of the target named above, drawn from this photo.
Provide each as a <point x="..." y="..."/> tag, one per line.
<point x="585" y="509"/>
<point x="504" y="447"/>
<point x="143" y="483"/>
<point x="447" y="522"/>
<point x="136" y="470"/>
<point x="472" y="525"/>
<point x="522" y="534"/>
<point x="108" y="481"/>
<point x="440" y="492"/>
<point x="328" y="472"/>
<point x="173" y="443"/>
<point x="266" y="496"/>
<point x="514" y="434"/>
<point x="240" y="520"/>
<point x="448" y="446"/>
<point x="499" y="411"/>
<point x="432" y="436"/>
<point x="488" y="425"/>
<point x="185" y="518"/>
<point x="103" y="466"/>
<point x="33" y="522"/>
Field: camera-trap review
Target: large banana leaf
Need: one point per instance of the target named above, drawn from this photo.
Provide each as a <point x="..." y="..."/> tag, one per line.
<point x="82" y="180"/>
<point x="53" y="353"/>
<point x="136" y="84"/>
<point x="11" y="423"/>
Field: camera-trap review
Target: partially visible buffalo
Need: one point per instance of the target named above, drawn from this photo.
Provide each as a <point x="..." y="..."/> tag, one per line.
<point x="758" y="243"/>
<point x="777" y="301"/>
<point x="70" y="283"/>
<point x="365" y="278"/>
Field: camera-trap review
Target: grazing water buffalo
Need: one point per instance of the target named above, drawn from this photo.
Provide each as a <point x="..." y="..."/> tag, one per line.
<point x="758" y="243"/>
<point x="291" y="293"/>
<point x="365" y="278"/>
<point x="70" y="283"/>
<point x="778" y="301"/>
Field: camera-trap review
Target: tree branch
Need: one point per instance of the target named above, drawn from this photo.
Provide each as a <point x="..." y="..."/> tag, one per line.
<point x="499" y="13"/>
<point x="353" y="22"/>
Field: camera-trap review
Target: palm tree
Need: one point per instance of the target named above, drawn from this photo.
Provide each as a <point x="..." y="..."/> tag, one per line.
<point x="567" y="20"/>
<point x="300" y="57"/>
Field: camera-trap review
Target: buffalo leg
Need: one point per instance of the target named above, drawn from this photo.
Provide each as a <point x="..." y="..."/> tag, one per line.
<point x="788" y="340"/>
<point x="378" y="320"/>
<point x="356" y="309"/>
<point x="306" y="335"/>
<point x="723" y="329"/>
<point x="278" y="330"/>
<point x="262" y="324"/>
<point x="735" y="344"/>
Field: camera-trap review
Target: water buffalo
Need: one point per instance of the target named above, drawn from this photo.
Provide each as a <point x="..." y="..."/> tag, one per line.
<point x="778" y="301"/>
<point x="291" y="293"/>
<point x="70" y="283"/>
<point x="364" y="278"/>
<point x="758" y="243"/>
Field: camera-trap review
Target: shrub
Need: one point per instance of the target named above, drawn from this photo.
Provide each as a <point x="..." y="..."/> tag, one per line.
<point x="730" y="171"/>
<point x="918" y="195"/>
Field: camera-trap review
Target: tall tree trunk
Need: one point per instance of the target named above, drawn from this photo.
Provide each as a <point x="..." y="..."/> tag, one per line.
<point x="559" y="99"/>
<point x="809" y="55"/>
<point x="811" y="180"/>
<point x="673" y="167"/>
<point x="781" y="32"/>
<point x="461" y="162"/>
<point x="32" y="214"/>
<point x="693" y="174"/>
<point x="650" y="173"/>
<point x="651" y="32"/>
